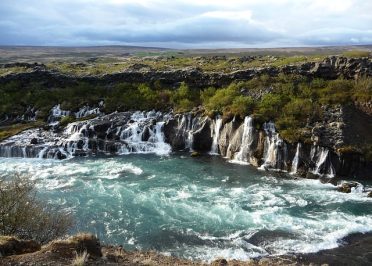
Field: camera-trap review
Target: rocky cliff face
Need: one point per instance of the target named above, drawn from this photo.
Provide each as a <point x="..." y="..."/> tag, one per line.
<point x="330" y="68"/>
<point x="261" y="145"/>
<point x="240" y="141"/>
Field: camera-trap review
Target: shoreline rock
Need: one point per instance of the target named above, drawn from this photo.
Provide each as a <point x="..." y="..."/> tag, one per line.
<point x="356" y="249"/>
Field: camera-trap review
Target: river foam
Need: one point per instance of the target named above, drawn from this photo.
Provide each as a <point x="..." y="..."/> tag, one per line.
<point x="196" y="208"/>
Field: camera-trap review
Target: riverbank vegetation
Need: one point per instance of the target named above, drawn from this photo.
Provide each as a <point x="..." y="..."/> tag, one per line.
<point x="24" y="215"/>
<point x="291" y="101"/>
<point x="11" y="130"/>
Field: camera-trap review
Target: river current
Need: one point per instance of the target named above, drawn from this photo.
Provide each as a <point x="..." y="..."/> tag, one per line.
<point x="198" y="208"/>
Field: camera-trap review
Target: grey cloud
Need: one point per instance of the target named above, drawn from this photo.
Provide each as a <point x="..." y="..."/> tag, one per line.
<point x="183" y="23"/>
<point x="197" y="30"/>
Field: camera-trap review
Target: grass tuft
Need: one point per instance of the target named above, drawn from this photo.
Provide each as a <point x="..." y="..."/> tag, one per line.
<point x="80" y="258"/>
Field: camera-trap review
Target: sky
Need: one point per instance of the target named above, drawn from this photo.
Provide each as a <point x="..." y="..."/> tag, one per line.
<point x="186" y="23"/>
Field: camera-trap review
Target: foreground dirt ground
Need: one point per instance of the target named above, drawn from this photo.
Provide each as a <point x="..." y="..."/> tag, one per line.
<point x="85" y="249"/>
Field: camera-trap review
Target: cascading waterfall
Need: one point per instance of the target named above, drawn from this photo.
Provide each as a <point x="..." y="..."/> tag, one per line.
<point x="185" y="129"/>
<point x="247" y="139"/>
<point x="275" y="150"/>
<point x="190" y="136"/>
<point x="143" y="132"/>
<point x="42" y="152"/>
<point x="133" y="136"/>
<point x="162" y="148"/>
<point x="87" y="111"/>
<point x="138" y="132"/>
<point x="296" y="160"/>
<point x="78" y="137"/>
<point x="323" y="163"/>
<point x="216" y="134"/>
<point x="56" y="113"/>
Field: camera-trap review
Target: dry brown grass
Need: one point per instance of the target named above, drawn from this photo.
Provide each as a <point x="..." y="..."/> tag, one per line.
<point x="80" y="258"/>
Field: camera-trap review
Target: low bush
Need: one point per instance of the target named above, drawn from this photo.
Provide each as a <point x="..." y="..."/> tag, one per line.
<point x="67" y="120"/>
<point x="24" y="215"/>
<point x="356" y="53"/>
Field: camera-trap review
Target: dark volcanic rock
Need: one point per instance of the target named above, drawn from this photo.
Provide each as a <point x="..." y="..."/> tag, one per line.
<point x="12" y="246"/>
<point x="202" y="139"/>
<point x="226" y="134"/>
<point x="330" y="68"/>
<point x="356" y="249"/>
<point x="346" y="187"/>
<point x="173" y="136"/>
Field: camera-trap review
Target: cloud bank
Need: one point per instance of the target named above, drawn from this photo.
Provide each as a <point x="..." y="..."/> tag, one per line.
<point x="186" y="23"/>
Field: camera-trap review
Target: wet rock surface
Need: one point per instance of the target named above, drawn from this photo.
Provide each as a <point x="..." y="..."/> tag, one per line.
<point x="237" y="140"/>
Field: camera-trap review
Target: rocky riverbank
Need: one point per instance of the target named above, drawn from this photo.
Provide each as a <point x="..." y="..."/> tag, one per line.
<point x="354" y="250"/>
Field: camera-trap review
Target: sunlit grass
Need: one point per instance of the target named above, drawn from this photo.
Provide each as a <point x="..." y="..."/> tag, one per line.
<point x="8" y="131"/>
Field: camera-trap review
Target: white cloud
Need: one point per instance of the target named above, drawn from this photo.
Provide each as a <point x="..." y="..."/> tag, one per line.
<point x="186" y="22"/>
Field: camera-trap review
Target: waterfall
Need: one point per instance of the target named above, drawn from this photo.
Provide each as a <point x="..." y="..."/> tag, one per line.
<point x="246" y="142"/>
<point x="143" y="132"/>
<point x="185" y="129"/>
<point x="119" y="133"/>
<point x="296" y="160"/>
<point x="275" y="150"/>
<point x="216" y="134"/>
<point x="189" y="136"/>
<point x="323" y="164"/>
<point x="56" y="113"/>
<point x="42" y="152"/>
<point x="321" y="160"/>
<point x="162" y="148"/>
<point x="87" y="111"/>
<point x="133" y="135"/>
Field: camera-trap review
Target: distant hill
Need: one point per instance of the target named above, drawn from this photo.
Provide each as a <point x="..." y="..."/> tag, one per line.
<point x="46" y="54"/>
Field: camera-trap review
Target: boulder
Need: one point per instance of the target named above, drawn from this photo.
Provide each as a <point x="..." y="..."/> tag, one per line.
<point x="10" y="245"/>
<point x="220" y="262"/>
<point x="195" y="154"/>
<point x="346" y="187"/>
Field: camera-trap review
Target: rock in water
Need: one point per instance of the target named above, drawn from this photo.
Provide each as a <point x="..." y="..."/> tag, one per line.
<point x="195" y="154"/>
<point x="346" y="187"/>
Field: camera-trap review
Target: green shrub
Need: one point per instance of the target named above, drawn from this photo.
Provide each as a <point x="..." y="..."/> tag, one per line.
<point x="356" y="53"/>
<point x="183" y="99"/>
<point x="362" y="90"/>
<point x="222" y="99"/>
<point x="336" y="92"/>
<point x="66" y="120"/>
<point x="242" y="106"/>
<point x="206" y="94"/>
<point x="271" y="105"/>
<point x="25" y="216"/>
<point x="298" y="108"/>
